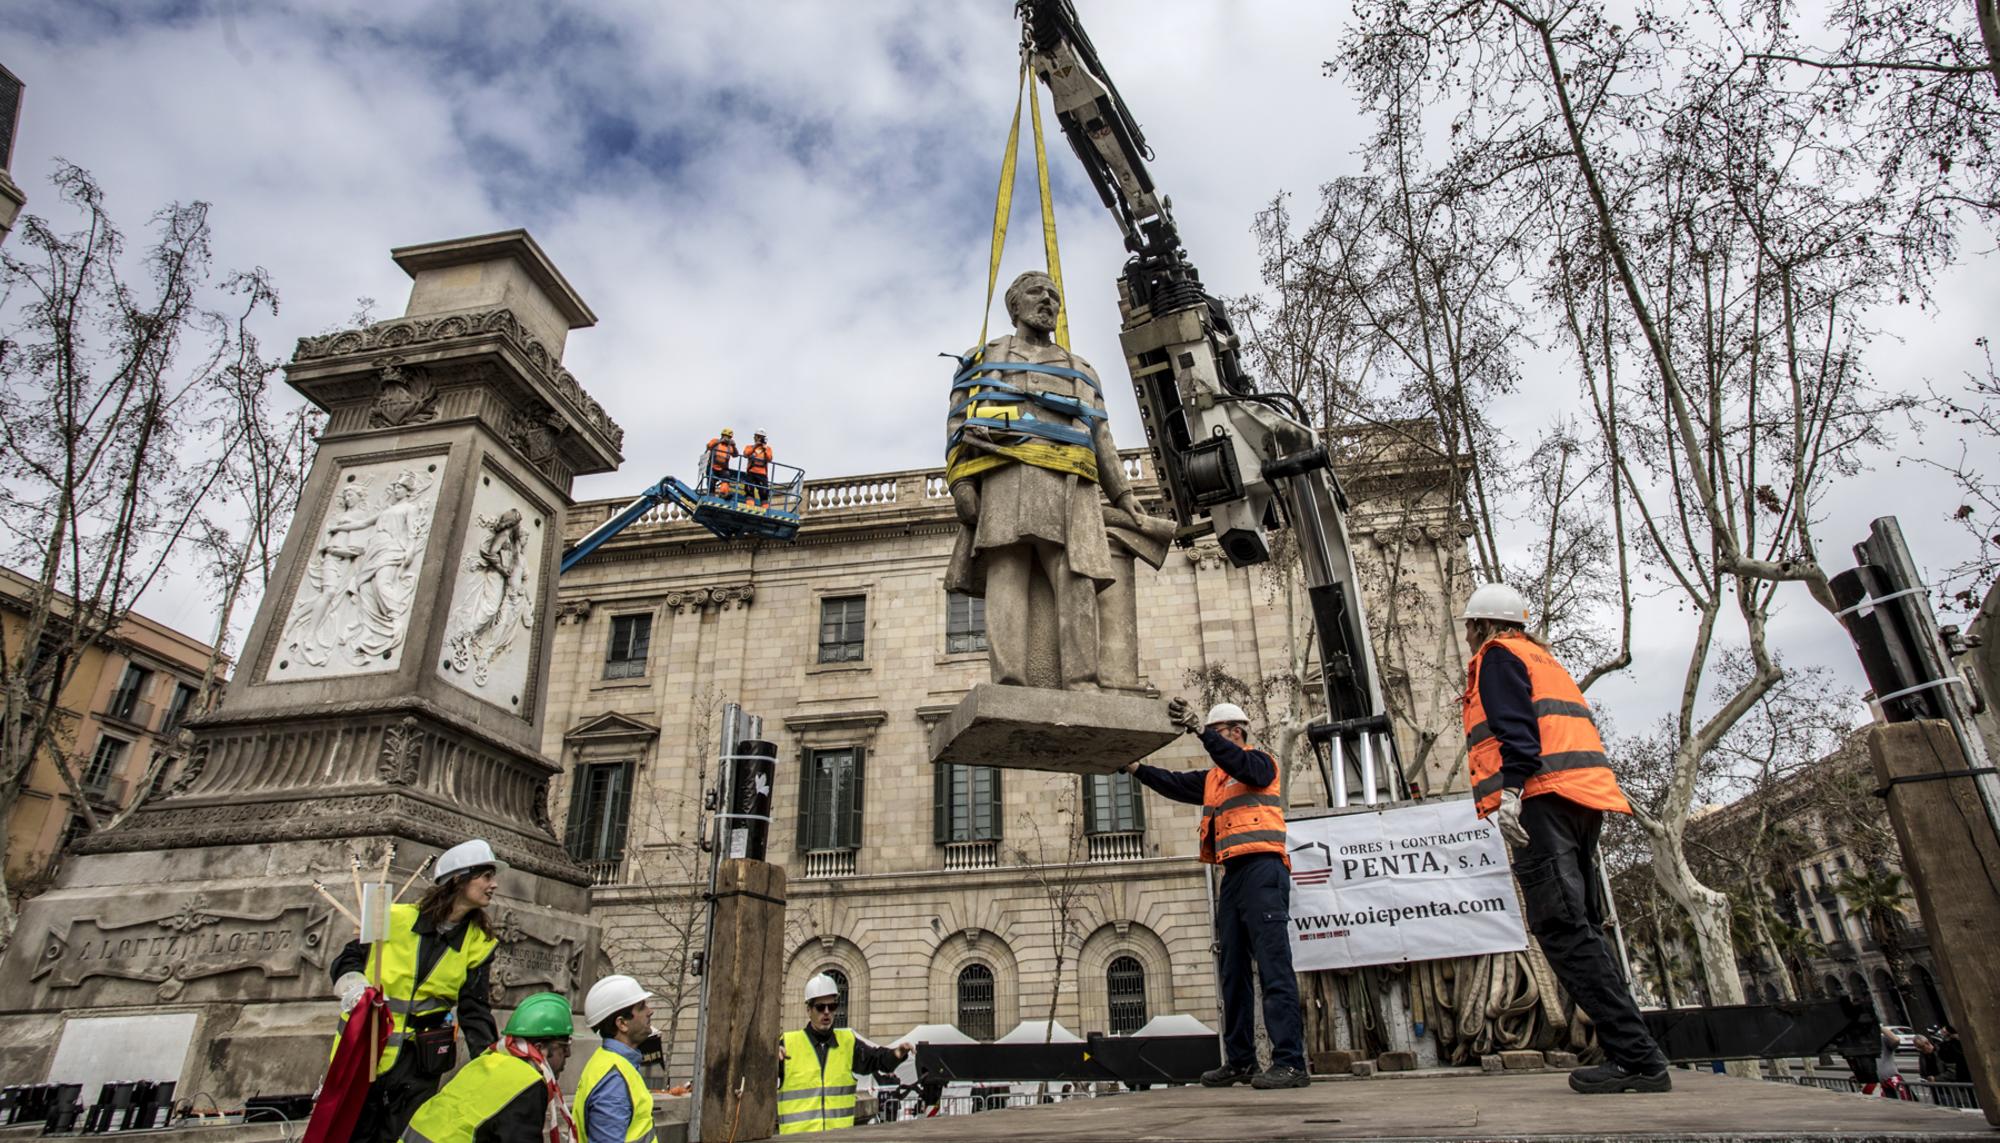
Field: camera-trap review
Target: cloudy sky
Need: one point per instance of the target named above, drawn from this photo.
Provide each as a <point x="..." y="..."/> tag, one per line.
<point x="779" y="211"/>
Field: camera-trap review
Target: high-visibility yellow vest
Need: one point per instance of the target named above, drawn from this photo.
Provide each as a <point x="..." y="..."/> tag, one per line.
<point x="811" y="1098"/>
<point x="434" y="994"/>
<point x="602" y="1063"/>
<point x="476" y="1094"/>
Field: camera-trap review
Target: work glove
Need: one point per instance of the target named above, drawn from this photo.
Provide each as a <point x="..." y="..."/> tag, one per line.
<point x="1508" y="818"/>
<point x="1182" y="715"/>
<point x="349" y="988"/>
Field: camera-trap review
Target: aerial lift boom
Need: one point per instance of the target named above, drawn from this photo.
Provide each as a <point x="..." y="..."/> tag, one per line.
<point x="1233" y="461"/>
<point x="724" y="508"/>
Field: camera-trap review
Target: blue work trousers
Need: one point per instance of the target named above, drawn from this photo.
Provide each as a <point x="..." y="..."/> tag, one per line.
<point x="1252" y="925"/>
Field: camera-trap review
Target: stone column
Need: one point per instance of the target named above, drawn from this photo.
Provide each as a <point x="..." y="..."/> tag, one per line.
<point x="391" y="690"/>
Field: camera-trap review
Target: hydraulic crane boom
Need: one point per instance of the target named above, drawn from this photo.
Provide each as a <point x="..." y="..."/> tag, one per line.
<point x="1231" y="460"/>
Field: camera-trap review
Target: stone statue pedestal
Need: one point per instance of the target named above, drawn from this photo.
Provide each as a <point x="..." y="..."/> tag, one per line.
<point x="391" y="690"/>
<point x="1032" y="728"/>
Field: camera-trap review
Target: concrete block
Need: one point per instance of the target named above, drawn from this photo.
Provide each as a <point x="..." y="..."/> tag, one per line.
<point x="1396" y="1062"/>
<point x="1033" y="728"/>
<point x="1491" y="1064"/>
<point x="1520" y="1061"/>
<point x="1363" y="1069"/>
<point x="1561" y="1059"/>
<point x="1333" y="1063"/>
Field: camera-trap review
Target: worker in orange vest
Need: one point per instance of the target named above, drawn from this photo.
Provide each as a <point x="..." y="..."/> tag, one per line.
<point x="757" y="470"/>
<point x="721" y="458"/>
<point x="1243" y="830"/>
<point x="1540" y="774"/>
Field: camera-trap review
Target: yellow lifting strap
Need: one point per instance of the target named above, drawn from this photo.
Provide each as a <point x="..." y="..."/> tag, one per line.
<point x="1003" y="206"/>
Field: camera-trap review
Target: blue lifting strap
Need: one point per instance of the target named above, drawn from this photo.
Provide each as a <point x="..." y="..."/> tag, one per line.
<point x="971" y="367"/>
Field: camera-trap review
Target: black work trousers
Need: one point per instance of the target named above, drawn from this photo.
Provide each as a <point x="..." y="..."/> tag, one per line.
<point x="1565" y="911"/>
<point x="392" y="1099"/>
<point x="1252" y="925"/>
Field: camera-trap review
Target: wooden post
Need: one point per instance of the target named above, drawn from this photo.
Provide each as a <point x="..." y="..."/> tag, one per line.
<point x="1953" y="859"/>
<point x="746" y="967"/>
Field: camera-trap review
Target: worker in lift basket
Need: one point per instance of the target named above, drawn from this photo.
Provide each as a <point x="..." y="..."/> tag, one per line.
<point x="1540" y="774"/>
<point x="721" y="458"/>
<point x="820" y="1062"/>
<point x="757" y="470"/>
<point x="1243" y="830"/>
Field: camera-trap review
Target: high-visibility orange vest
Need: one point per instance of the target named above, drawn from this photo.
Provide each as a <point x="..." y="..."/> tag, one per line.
<point x="1573" y="762"/>
<point x="720" y="453"/>
<point x="758" y="460"/>
<point x="1237" y="819"/>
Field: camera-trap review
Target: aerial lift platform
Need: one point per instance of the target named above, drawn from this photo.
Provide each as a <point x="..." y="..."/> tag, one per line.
<point x="726" y="505"/>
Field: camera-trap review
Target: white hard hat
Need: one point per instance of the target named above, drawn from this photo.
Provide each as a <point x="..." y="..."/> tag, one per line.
<point x="761" y="432"/>
<point x="1225" y="712"/>
<point x="463" y="856"/>
<point x="821" y="985"/>
<point x="612" y="994"/>
<point x="1497" y="601"/>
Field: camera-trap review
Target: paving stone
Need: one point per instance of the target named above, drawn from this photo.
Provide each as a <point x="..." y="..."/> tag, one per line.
<point x="1561" y="1059"/>
<point x="1520" y="1060"/>
<point x="1363" y="1068"/>
<point x="1492" y="1064"/>
<point x="1333" y="1063"/>
<point x="1396" y="1061"/>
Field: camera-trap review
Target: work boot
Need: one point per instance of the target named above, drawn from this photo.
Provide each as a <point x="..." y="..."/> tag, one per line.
<point x="1608" y="1078"/>
<point x="1281" y="1075"/>
<point x="1227" y="1074"/>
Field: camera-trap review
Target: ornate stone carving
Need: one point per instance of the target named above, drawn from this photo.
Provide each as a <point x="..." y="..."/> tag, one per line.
<point x="352" y="610"/>
<point x="495" y="606"/>
<point x="694" y="599"/>
<point x="194" y="941"/>
<point x="197" y="761"/>
<point x="499" y="321"/>
<point x="536" y="432"/>
<point x="572" y="611"/>
<point x="402" y="753"/>
<point x="406" y="397"/>
<point x="541" y="808"/>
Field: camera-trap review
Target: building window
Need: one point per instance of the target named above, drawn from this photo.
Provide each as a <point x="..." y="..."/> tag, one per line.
<point x="1125" y="982"/>
<point x="631" y="636"/>
<point x="975" y="1001"/>
<point x="839" y="982"/>
<point x="842" y="624"/>
<point x="1111" y="804"/>
<point x="599" y="799"/>
<point x="964" y="624"/>
<point x="125" y="705"/>
<point x="965" y="803"/>
<point x="104" y="763"/>
<point x="830" y="800"/>
<point x="177" y="710"/>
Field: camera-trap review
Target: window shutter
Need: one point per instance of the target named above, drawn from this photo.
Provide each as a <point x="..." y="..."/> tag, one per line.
<point x="573" y="833"/>
<point x="619" y="808"/>
<point x="1090" y="824"/>
<point x="1138" y="803"/>
<point x="941" y="803"/>
<point x="804" y="838"/>
<point x="853" y="824"/>
<point x="993" y="801"/>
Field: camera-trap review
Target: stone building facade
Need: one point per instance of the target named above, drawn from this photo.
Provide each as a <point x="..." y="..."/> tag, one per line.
<point x="938" y="897"/>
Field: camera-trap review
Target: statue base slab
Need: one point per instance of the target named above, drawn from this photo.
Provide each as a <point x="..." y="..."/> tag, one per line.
<point x="1033" y="728"/>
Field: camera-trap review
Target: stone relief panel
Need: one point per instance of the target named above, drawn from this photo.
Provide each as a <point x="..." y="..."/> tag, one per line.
<point x="489" y="643"/>
<point x="196" y="941"/>
<point x="352" y="610"/>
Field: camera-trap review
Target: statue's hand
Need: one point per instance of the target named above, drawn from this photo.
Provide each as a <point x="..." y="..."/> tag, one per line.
<point x="1128" y="503"/>
<point x="965" y="499"/>
<point x="979" y="438"/>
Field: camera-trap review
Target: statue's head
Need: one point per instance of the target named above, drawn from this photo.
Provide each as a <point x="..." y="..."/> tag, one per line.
<point x="403" y="487"/>
<point x="1033" y="301"/>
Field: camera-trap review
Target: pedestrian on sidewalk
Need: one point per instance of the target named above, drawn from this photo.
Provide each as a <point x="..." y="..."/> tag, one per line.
<point x="1540" y="774"/>
<point x="1243" y="830"/>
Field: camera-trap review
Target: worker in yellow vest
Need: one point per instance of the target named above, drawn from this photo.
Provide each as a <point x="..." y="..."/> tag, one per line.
<point x="508" y="1093"/>
<point x="820" y="1062"/>
<point x="613" y="1103"/>
<point x="1540" y="774"/>
<point x="1243" y="830"/>
<point x="435" y="960"/>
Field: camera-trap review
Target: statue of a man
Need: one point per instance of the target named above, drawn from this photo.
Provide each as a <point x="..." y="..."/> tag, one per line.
<point x="1027" y="451"/>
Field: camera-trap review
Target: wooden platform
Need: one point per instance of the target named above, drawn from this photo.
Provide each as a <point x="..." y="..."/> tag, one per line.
<point x="1535" y="1108"/>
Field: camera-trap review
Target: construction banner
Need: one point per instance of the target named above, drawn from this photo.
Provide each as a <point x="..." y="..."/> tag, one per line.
<point x="1415" y="882"/>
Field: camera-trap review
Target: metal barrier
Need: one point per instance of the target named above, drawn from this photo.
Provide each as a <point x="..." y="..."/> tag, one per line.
<point x="1959" y="1096"/>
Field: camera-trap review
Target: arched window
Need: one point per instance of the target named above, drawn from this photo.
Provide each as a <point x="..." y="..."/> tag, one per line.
<point x="1125" y="982"/>
<point x="975" y="1001"/>
<point x="839" y="982"/>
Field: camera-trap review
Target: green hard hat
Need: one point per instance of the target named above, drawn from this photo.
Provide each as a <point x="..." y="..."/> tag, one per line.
<point x="545" y="1015"/>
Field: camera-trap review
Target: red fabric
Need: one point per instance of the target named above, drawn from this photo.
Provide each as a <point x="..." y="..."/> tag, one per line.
<point x="345" y="1088"/>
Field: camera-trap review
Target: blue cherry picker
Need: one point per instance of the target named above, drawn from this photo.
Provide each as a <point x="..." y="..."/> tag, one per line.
<point x="723" y="502"/>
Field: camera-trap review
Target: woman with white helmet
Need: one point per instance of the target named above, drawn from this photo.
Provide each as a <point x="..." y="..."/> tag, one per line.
<point x="1540" y="773"/>
<point x="435" y="959"/>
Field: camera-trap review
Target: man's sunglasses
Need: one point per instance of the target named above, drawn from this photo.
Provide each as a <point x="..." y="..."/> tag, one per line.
<point x="834" y="1007"/>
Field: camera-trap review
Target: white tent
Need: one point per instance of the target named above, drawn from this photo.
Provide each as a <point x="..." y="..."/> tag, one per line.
<point x="1040" y="1031"/>
<point x="925" y="1034"/>
<point x="1175" y="1025"/>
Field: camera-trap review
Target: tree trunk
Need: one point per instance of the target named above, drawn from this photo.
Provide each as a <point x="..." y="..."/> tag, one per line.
<point x="1708" y="914"/>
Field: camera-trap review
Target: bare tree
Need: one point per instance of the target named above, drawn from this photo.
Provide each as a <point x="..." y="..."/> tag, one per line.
<point x="1057" y="862"/>
<point x="110" y="388"/>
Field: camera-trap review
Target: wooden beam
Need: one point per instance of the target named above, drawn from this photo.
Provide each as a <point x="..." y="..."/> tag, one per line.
<point x="739" y="1095"/>
<point x="1952" y="857"/>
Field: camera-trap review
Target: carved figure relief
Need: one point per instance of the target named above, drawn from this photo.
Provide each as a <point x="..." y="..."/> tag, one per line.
<point x="489" y="643"/>
<point x="407" y="396"/>
<point x="496" y="605"/>
<point x="352" y="610"/>
<point x="535" y="431"/>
